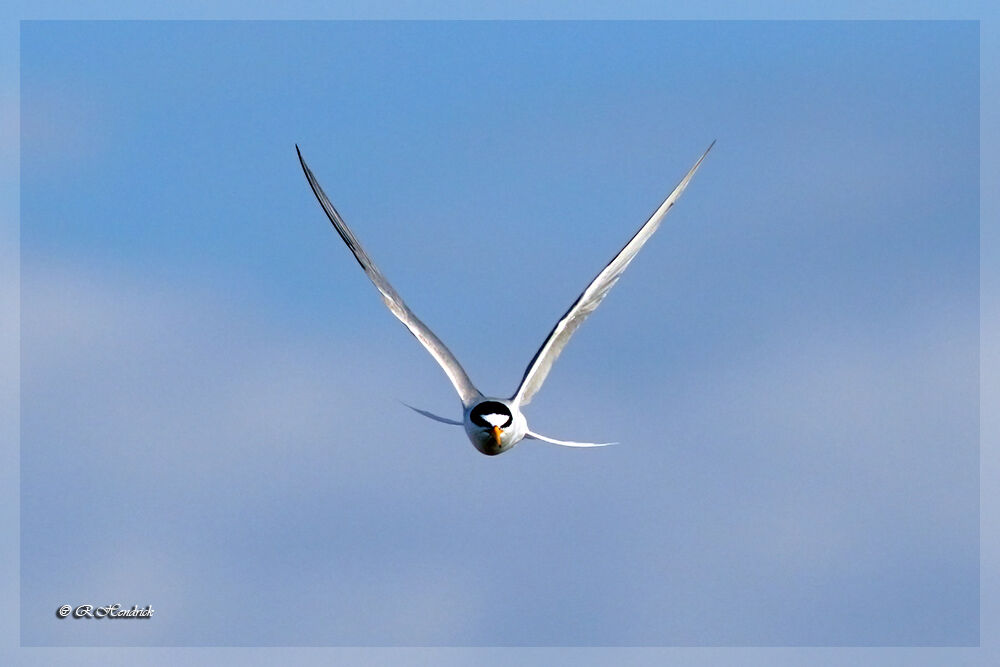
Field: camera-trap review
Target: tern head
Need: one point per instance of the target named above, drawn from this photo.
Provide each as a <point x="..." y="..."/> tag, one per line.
<point x="493" y="426"/>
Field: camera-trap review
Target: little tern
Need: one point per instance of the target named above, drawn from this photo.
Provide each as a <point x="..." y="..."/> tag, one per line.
<point x="495" y="425"/>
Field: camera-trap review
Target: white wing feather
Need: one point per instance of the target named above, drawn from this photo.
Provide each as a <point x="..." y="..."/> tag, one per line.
<point x="463" y="385"/>
<point x="591" y="298"/>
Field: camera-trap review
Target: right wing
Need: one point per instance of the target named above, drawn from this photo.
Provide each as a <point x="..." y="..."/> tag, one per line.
<point x="591" y="298"/>
<point x="463" y="385"/>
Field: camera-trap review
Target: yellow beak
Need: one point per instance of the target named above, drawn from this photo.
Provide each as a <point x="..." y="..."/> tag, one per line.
<point x="497" y="432"/>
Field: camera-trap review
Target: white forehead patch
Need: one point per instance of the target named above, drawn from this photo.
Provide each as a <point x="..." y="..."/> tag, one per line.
<point x="495" y="419"/>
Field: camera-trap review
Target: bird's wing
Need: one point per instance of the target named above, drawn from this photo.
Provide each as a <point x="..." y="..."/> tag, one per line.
<point x="542" y="362"/>
<point x="566" y="443"/>
<point x="463" y="385"/>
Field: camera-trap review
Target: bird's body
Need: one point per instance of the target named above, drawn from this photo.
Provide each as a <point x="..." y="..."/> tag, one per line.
<point x="495" y="425"/>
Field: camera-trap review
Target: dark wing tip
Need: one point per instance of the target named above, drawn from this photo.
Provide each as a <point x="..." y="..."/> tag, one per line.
<point x="703" y="156"/>
<point x="307" y="171"/>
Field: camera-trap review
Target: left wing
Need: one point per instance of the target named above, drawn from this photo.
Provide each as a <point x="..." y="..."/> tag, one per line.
<point x="591" y="298"/>
<point x="463" y="385"/>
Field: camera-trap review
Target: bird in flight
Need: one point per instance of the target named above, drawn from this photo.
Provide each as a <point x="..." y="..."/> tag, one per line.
<point x="495" y="425"/>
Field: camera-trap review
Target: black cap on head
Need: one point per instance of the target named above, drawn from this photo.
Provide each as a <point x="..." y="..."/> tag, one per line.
<point x="491" y="413"/>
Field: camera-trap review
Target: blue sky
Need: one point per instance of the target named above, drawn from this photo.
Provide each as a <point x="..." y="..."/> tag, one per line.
<point x="791" y="364"/>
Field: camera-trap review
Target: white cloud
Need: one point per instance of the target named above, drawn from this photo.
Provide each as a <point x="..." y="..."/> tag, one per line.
<point x="269" y="463"/>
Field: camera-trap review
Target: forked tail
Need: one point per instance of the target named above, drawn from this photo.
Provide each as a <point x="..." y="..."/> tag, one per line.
<point x="566" y="443"/>
<point x="429" y="415"/>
